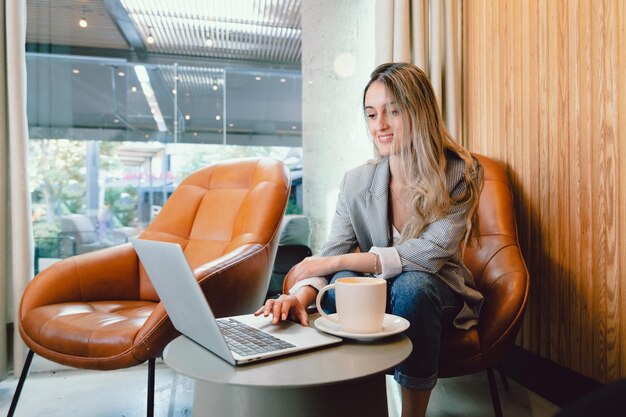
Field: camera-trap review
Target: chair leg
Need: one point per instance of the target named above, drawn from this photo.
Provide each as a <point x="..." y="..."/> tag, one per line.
<point x="20" y="384"/>
<point x="150" y="410"/>
<point x="493" y="388"/>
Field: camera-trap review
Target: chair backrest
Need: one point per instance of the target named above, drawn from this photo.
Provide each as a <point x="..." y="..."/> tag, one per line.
<point x="496" y="262"/>
<point x="220" y="208"/>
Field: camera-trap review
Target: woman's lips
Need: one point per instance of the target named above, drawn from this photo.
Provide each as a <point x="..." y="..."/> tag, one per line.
<point x="385" y="138"/>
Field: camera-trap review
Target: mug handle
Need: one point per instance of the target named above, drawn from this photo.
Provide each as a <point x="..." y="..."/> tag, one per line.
<point x="318" y="304"/>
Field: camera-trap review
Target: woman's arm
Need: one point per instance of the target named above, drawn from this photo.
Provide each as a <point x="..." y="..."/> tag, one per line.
<point x="317" y="266"/>
<point x="293" y="306"/>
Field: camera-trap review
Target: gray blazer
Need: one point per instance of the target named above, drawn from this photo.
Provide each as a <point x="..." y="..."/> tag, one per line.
<point x="362" y="220"/>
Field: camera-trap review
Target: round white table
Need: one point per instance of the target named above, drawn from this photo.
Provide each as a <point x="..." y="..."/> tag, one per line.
<point x="341" y="380"/>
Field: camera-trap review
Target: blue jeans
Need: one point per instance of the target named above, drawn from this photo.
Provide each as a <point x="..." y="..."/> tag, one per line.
<point x="429" y="305"/>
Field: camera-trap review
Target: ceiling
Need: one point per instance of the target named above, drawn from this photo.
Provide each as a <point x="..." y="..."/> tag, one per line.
<point x="231" y="73"/>
<point x="249" y="30"/>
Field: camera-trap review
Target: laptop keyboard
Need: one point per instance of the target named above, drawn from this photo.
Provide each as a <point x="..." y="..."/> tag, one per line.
<point x="247" y="340"/>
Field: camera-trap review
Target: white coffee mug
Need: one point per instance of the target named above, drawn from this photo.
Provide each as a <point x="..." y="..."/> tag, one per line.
<point x="360" y="304"/>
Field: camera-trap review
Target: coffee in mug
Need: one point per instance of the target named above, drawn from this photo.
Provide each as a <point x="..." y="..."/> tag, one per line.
<point x="360" y="304"/>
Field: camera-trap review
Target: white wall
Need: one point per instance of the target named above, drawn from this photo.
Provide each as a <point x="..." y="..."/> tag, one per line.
<point x="337" y="58"/>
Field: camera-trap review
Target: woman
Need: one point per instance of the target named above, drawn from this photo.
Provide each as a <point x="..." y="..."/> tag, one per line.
<point x="410" y="212"/>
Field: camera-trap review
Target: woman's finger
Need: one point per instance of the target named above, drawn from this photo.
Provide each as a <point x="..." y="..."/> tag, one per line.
<point x="285" y="310"/>
<point x="269" y="304"/>
<point x="301" y="315"/>
<point x="276" y="311"/>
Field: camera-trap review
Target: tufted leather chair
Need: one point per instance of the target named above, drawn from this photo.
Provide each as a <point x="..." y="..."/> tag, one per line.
<point x="100" y="311"/>
<point x="500" y="275"/>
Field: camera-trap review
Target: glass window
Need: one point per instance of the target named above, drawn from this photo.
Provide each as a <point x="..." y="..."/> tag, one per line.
<point x="110" y="140"/>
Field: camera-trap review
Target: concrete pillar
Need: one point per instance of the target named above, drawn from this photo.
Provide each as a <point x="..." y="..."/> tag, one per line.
<point x="337" y="58"/>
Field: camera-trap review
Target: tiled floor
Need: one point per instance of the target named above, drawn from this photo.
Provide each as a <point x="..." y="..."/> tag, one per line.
<point x="64" y="393"/>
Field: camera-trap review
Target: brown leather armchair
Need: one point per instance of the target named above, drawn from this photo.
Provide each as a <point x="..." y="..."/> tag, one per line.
<point x="100" y="311"/>
<point x="500" y="275"/>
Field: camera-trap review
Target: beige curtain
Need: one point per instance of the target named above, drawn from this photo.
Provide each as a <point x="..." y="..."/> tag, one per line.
<point x="16" y="253"/>
<point x="427" y="33"/>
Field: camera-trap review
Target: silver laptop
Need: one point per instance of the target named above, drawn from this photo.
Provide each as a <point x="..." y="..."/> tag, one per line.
<point x="237" y="340"/>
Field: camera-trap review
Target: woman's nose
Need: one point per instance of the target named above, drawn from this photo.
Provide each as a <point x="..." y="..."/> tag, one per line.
<point x="383" y="123"/>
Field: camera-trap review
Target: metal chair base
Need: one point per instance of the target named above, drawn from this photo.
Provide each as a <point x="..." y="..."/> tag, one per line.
<point x="29" y="359"/>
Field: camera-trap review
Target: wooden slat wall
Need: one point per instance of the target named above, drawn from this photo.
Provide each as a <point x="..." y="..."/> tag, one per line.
<point x="545" y="92"/>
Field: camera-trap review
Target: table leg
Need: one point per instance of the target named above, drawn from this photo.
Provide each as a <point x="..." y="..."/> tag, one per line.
<point x="366" y="397"/>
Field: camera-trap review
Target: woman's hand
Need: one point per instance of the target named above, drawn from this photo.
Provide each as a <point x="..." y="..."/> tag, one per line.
<point x="283" y="308"/>
<point x="314" y="266"/>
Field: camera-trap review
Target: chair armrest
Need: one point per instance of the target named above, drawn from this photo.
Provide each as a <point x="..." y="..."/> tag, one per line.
<point x="107" y="274"/>
<point x="505" y="287"/>
<point x="241" y="273"/>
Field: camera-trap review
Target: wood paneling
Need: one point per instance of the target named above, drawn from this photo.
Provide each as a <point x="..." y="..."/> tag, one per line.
<point x="545" y="92"/>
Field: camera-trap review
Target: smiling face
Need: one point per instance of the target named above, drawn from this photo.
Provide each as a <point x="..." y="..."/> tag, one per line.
<point x="384" y="119"/>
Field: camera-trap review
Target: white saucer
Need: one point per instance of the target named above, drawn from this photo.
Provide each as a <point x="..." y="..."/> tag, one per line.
<point x="391" y="325"/>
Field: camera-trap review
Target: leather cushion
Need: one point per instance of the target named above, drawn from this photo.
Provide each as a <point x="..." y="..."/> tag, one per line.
<point x="88" y="329"/>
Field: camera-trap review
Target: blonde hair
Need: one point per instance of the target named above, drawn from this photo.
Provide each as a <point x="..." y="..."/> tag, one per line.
<point x="421" y="153"/>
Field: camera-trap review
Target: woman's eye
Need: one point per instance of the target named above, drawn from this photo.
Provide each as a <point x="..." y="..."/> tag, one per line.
<point x="394" y="112"/>
<point x="370" y="116"/>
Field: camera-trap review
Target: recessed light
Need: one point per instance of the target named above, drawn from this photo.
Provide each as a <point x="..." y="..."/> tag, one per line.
<point x="133" y="89"/>
<point x="116" y="121"/>
<point x="174" y="91"/>
<point x="294" y="127"/>
<point x="257" y="78"/>
<point x="83" y="23"/>
<point x="75" y="71"/>
<point x="215" y="87"/>
<point x="187" y="117"/>
<point x="231" y="125"/>
<point x="195" y="133"/>
<point x="218" y="117"/>
<point x="311" y="82"/>
<point x="208" y="42"/>
<point x="283" y="80"/>
<point x="150" y="38"/>
<point x="121" y="73"/>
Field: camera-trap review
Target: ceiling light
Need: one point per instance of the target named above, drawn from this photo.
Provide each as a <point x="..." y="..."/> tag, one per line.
<point x="283" y="80"/>
<point x="121" y="73"/>
<point x="116" y="120"/>
<point x="133" y="89"/>
<point x="75" y="71"/>
<point x="209" y="42"/>
<point x="231" y="125"/>
<point x="187" y="117"/>
<point x="215" y="87"/>
<point x="218" y="117"/>
<point x="257" y="78"/>
<point x="83" y="23"/>
<point x="174" y="91"/>
<point x="294" y="127"/>
<point x="195" y="133"/>
<point x="150" y="38"/>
